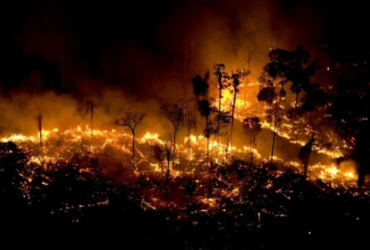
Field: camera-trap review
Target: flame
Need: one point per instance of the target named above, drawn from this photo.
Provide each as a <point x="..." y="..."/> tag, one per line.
<point x="114" y="138"/>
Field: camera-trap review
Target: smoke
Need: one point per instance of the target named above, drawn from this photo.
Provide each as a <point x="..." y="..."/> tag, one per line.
<point x="154" y="55"/>
<point x="136" y="59"/>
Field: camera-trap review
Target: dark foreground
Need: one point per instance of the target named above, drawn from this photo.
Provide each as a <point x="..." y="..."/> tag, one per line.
<point x="75" y="210"/>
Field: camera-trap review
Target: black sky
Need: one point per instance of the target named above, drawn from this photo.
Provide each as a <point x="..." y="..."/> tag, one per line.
<point x="113" y="41"/>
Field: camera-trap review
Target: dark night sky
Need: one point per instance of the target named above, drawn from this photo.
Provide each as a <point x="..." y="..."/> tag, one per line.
<point x="114" y="41"/>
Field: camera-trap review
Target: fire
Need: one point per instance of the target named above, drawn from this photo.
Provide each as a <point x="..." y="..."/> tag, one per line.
<point x="150" y="137"/>
<point x="332" y="172"/>
<point x="19" y="138"/>
<point x="51" y="153"/>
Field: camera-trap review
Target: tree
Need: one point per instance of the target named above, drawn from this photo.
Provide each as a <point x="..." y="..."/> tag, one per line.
<point x="200" y="90"/>
<point x="200" y="85"/>
<point x="283" y="67"/>
<point x="39" y="126"/>
<point x="131" y="120"/>
<point x="299" y="71"/>
<point x="205" y="109"/>
<point x="252" y="127"/>
<point x="222" y="83"/>
<point x="314" y="107"/>
<point x="236" y="80"/>
<point x="269" y="95"/>
<point x="174" y="115"/>
<point x="349" y="110"/>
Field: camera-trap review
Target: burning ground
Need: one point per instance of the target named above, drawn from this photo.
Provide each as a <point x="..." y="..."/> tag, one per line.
<point x="73" y="183"/>
<point x="185" y="124"/>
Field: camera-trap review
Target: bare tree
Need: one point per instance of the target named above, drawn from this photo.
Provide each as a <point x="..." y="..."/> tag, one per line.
<point x="174" y="117"/>
<point x="131" y="120"/>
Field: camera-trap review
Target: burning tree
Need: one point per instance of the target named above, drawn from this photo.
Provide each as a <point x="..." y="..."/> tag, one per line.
<point x="205" y="109"/>
<point x="283" y="67"/>
<point x="131" y="120"/>
<point x="269" y="95"/>
<point x="174" y="117"/>
<point x="222" y="83"/>
<point x="200" y="89"/>
<point x="236" y="80"/>
<point x="252" y="127"/>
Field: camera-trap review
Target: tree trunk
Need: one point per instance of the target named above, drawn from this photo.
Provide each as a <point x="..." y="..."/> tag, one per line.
<point x="273" y="145"/>
<point x="232" y="117"/>
<point x="168" y="168"/>
<point x="219" y="111"/>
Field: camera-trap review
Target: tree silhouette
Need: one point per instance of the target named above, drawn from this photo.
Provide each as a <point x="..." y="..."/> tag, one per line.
<point x="200" y="90"/>
<point x="274" y="113"/>
<point x="283" y="67"/>
<point x="200" y="85"/>
<point x="236" y="80"/>
<point x="349" y="110"/>
<point x="174" y="115"/>
<point x="222" y="83"/>
<point x="131" y="120"/>
<point x="39" y="126"/>
<point x="205" y="109"/>
<point x="299" y="71"/>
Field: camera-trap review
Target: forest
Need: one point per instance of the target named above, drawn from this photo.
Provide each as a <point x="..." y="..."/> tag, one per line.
<point x="231" y="130"/>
